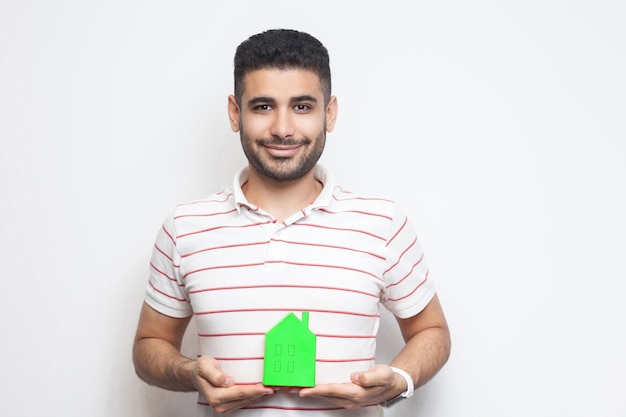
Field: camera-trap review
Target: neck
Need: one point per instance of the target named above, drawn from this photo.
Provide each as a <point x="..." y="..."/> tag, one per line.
<point x="281" y="198"/>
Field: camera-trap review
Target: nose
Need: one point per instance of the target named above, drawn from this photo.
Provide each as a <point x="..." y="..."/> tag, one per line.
<point x="283" y="125"/>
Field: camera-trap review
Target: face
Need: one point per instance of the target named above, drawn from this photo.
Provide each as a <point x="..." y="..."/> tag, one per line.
<point x="282" y="122"/>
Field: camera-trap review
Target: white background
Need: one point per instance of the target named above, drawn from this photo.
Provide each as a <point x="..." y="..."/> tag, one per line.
<point x="498" y="126"/>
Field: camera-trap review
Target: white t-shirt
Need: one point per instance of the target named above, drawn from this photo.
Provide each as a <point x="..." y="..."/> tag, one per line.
<point x="239" y="272"/>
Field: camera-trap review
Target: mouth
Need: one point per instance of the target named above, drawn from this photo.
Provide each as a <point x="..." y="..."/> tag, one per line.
<point x="282" y="148"/>
<point x="282" y="151"/>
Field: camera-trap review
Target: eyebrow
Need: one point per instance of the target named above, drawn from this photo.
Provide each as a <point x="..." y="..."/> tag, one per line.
<point x="304" y="97"/>
<point x="259" y="100"/>
<point x="297" y="99"/>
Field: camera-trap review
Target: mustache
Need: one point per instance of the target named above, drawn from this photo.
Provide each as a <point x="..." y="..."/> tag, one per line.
<point x="282" y="142"/>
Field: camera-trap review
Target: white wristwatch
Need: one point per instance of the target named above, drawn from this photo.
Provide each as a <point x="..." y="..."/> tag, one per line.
<point x="406" y="394"/>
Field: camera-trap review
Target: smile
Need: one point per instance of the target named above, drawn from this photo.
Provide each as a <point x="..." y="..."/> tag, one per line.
<point x="282" y="151"/>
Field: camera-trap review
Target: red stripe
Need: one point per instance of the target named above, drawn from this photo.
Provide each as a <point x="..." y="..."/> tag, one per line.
<point x="167" y="295"/>
<point x="229" y="334"/>
<point x="260" y="358"/>
<point x="366" y="213"/>
<point x="344" y="360"/>
<point x="327" y="266"/>
<point x="219" y="267"/>
<point x="340" y="229"/>
<point x="412" y="292"/>
<point x="191" y="203"/>
<point x="406" y="220"/>
<point x="279" y="240"/>
<point x="314" y="287"/>
<point x="404" y="253"/>
<point x="162" y="273"/>
<point x="256" y="310"/>
<point x="407" y="275"/>
<point x="218" y="213"/>
<point x="169" y="235"/>
<point x="257" y="334"/>
<point x="329" y="246"/>
<point x="337" y="336"/>
<point x="276" y="407"/>
<point x="163" y="253"/>
<point x="224" y="247"/>
<point x="222" y="227"/>
<point x="357" y="198"/>
<point x="280" y="262"/>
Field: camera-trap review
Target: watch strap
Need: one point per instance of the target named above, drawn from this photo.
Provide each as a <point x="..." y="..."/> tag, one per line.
<point x="409" y="388"/>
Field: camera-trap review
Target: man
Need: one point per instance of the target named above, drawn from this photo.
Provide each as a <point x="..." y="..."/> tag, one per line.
<point x="284" y="239"/>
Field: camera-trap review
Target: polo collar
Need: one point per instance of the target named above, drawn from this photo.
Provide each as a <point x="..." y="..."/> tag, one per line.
<point x="322" y="174"/>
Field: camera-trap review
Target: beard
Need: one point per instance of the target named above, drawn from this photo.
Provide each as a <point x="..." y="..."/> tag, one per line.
<point x="283" y="169"/>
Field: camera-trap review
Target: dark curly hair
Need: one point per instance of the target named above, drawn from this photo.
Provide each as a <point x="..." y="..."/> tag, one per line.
<point x="283" y="49"/>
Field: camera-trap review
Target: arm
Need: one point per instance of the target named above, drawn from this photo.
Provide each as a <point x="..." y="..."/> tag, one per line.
<point x="427" y="346"/>
<point x="426" y="351"/>
<point x="156" y="351"/>
<point x="158" y="361"/>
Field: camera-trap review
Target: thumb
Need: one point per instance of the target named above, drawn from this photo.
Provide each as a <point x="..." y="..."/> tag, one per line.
<point x="356" y="378"/>
<point x="209" y="369"/>
<point x="378" y="375"/>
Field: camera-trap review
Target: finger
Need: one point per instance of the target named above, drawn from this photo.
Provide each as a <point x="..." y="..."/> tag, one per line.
<point x="342" y="390"/>
<point x="236" y="399"/>
<point x="343" y="400"/>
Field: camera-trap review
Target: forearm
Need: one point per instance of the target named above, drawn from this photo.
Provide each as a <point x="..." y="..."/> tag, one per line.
<point x="159" y="363"/>
<point x="424" y="354"/>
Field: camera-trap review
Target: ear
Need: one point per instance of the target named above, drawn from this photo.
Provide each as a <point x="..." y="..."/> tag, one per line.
<point x="331" y="114"/>
<point x="233" y="113"/>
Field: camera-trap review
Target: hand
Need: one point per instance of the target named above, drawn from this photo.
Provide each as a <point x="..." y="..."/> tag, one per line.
<point x="220" y="389"/>
<point x="371" y="387"/>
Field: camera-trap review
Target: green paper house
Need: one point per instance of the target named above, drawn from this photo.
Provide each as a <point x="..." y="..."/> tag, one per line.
<point x="290" y="353"/>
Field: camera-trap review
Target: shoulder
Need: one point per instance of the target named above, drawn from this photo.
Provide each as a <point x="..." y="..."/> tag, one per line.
<point x="378" y="213"/>
<point x="212" y="204"/>
<point x="188" y="216"/>
<point x="349" y="200"/>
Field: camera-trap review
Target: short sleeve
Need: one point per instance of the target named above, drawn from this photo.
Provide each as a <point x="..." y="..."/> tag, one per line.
<point x="165" y="291"/>
<point x="408" y="288"/>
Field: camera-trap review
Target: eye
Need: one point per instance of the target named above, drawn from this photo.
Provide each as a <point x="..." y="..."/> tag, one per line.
<point x="262" y="108"/>
<point x="302" y="107"/>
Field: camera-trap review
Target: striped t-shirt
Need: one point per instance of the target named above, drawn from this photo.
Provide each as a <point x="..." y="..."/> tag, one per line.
<point x="239" y="272"/>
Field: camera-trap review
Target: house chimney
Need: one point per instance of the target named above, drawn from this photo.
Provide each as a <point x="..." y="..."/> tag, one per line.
<point x="305" y="318"/>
